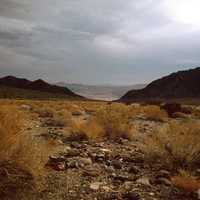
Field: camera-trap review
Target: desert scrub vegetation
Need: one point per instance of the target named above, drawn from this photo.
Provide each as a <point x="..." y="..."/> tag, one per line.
<point x="111" y="121"/>
<point x="22" y="158"/>
<point x="154" y="113"/>
<point x="59" y="119"/>
<point x="177" y="146"/>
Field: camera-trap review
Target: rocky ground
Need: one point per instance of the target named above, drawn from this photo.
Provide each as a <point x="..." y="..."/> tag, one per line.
<point x="105" y="170"/>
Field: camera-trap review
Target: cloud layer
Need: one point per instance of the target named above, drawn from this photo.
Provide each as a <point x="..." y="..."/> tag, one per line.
<point x="96" y="42"/>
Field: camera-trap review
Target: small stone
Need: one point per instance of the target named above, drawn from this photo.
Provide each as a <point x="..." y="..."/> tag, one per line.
<point x="95" y="186"/>
<point x="77" y="113"/>
<point x="72" y="153"/>
<point x="55" y="159"/>
<point x="133" y="169"/>
<point x="106" y="188"/>
<point x="131" y="196"/>
<point x="85" y="161"/>
<point x="106" y="150"/>
<point x="67" y="148"/>
<point x="61" y="166"/>
<point x="143" y="181"/>
<point x="116" y="164"/>
<point x="151" y="194"/>
<point x="121" y="177"/>
<point x="25" y="107"/>
<point x="163" y="181"/>
<point x="128" y="185"/>
<point x="92" y="172"/>
<point x="72" y="164"/>
<point x="110" y="169"/>
<point x="164" y="174"/>
<point x="198" y="193"/>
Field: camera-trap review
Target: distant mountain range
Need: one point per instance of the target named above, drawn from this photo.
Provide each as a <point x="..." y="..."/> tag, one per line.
<point x="100" y="92"/>
<point x="11" y="86"/>
<point x="176" y="86"/>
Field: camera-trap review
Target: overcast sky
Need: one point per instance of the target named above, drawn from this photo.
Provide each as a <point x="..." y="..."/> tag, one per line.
<point x="98" y="41"/>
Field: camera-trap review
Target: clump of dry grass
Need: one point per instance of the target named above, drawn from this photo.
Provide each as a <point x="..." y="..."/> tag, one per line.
<point x="45" y="112"/>
<point x="90" y="130"/>
<point x="112" y="122"/>
<point x="186" y="181"/>
<point x="10" y="127"/>
<point x="154" y="113"/>
<point x="59" y="119"/>
<point x="177" y="146"/>
<point x="22" y="158"/>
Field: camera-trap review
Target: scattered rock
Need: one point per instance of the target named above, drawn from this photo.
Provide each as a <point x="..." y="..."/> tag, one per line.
<point x="128" y="185"/>
<point x="78" y="113"/>
<point x="85" y="161"/>
<point x="198" y="193"/>
<point x="91" y="172"/>
<point x="143" y="181"/>
<point x="95" y="186"/>
<point x="163" y="174"/>
<point x="180" y="115"/>
<point x="131" y="196"/>
<point x="56" y="163"/>
<point x="116" y="164"/>
<point x="163" y="181"/>
<point x="25" y="107"/>
<point x="106" y="188"/>
<point x="72" y="164"/>
<point x="122" y="177"/>
<point x="72" y="153"/>
<point x="133" y="169"/>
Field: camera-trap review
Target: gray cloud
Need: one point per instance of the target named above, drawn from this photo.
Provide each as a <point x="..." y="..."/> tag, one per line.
<point x="92" y="41"/>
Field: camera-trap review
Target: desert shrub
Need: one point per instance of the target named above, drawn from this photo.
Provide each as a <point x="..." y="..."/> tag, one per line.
<point x="22" y="158"/>
<point x="185" y="181"/>
<point x="90" y="130"/>
<point x="177" y="146"/>
<point x="115" y="120"/>
<point x="111" y="121"/>
<point x="45" y="112"/>
<point x="154" y="113"/>
<point x="10" y="127"/>
<point x="59" y="119"/>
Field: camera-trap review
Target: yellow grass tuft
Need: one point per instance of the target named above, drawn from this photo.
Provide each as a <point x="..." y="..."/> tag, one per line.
<point x="154" y="113"/>
<point x="177" y="146"/>
<point x="111" y="121"/>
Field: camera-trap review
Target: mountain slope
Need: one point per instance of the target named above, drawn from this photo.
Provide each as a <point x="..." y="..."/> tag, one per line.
<point x="101" y="92"/>
<point x="40" y="86"/>
<point x="182" y="84"/>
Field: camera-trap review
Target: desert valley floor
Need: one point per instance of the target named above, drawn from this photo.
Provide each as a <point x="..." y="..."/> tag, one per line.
<point x="56" y="150"/>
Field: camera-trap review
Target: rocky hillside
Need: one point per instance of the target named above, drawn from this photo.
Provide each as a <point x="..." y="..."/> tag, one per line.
<point x="10" y="84"/>
<point x="179" y="85"/>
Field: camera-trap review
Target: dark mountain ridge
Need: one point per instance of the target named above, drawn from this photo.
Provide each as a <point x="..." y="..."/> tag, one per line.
<point x="182" y="84"/>
<point x="37" y="85"/>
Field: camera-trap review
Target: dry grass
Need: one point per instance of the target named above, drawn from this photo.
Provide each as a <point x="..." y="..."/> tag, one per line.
<point x="112" y="122"/>
<point x="90" y="130"/>
<point x="186" y="181"/>
<point x="178" y="146"/>
<point x="154" y="113"/>
<point x="22" y="158"/>
<point x="10" y="127"/>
